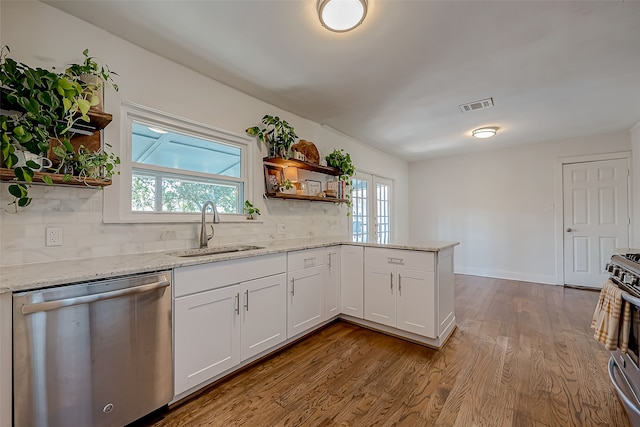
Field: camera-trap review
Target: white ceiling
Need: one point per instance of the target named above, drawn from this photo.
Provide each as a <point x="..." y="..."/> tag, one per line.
<point x="555" y="69"/>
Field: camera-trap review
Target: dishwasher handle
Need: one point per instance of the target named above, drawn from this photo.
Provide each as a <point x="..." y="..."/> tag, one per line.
<point x="86" y="299"/>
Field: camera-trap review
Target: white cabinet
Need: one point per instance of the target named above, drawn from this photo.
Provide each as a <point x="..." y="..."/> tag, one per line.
<point x="206" y="336"/>
<point x="399" y="289"/>
<point x="224" y="313"/>
<point x="332" y="287"/>
<point x="264" y="314"/>
<point x="352" y="280"/>
<point x="6" y="404"/>
<point x="306" y="276"/>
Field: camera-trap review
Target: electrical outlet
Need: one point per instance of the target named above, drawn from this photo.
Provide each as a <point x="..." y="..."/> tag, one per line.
<point x="280" y="228"/>
<point x="53" y="236"/>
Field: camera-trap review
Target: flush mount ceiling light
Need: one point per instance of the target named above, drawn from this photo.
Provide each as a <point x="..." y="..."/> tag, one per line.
<point x="341" y="15"/>
<point x="487" y="132"/>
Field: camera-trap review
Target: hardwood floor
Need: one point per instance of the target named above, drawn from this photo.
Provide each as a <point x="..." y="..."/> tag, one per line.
<point x="523" y="355"/>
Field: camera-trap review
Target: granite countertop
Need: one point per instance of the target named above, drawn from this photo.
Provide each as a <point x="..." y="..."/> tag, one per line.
<point x="39" y="275"/>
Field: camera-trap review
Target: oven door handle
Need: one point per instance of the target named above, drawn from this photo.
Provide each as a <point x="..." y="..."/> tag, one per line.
<point x="86" y="299"/>
<point x="633" y="300"/>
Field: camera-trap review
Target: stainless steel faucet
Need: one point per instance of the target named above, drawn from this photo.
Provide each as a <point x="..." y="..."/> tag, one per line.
<point x="204" y="236"/>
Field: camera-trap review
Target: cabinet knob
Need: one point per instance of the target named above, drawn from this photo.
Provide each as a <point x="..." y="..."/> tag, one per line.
<point x="569" y="230"/>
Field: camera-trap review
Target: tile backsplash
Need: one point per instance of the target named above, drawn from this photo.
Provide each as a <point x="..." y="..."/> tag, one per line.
<point x="78" y="211"/>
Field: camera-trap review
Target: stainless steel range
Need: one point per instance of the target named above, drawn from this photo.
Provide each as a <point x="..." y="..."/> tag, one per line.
<point x="624" y="368"/>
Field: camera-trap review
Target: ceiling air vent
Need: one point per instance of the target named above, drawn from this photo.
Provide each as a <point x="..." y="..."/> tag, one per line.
<point x="477" y="105"/>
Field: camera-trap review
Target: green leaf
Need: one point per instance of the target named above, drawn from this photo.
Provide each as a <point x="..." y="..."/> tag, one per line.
<point x="47" y="179"/>
<point x="24" y="174"/>
<point x="17" y="190"/>
<point x="24" y="202"/>
<point x="33" y="165"/>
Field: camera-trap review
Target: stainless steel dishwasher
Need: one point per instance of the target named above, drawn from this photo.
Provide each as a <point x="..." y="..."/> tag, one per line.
<point x="92" y="354"/>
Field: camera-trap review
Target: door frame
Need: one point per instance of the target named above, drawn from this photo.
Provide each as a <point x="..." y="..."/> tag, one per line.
<point x="559" y="200"/>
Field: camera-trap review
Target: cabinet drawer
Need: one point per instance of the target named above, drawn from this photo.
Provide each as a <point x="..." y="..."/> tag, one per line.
<point x="299" y="260"/>
<point x="203" y="277"/>
<point x="416" y="260"/>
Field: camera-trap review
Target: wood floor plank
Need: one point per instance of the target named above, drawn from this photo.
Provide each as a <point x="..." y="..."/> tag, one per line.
<point x="523" y="355"/>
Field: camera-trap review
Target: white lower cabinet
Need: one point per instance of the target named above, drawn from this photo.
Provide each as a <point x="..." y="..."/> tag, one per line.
<point x="264" y="314"/>
<point x="206" y="336"/>
<point x="306" y="276"/>
<point x="352" y="280"/>
<point x="332" y="286"/>
<point x="218" y="328"/>
<point x="399" y="290"/>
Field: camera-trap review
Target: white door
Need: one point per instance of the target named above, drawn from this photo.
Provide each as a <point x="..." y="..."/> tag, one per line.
<point x="264" y="314"/>
<point x="371" y="208"/>
<point x="207" y="336"/>
<point x="596" y="218"/>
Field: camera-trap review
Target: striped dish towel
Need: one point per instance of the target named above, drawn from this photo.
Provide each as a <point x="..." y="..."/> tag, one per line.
<point x="606" y="321"/>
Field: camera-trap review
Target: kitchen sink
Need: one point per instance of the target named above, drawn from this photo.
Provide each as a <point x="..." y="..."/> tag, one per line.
<point x="215" y="250"/>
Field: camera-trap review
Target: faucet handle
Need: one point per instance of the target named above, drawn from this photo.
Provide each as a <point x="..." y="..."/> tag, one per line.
<point x="210" y="236"/>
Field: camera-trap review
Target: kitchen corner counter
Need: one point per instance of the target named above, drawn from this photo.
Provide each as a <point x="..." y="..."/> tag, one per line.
<point x="25" y="277"/>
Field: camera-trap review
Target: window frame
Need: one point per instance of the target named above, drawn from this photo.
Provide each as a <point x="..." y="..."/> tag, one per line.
<point x="117" y="204"/>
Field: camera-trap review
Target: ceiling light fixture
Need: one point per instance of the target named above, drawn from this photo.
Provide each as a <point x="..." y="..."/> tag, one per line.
<point x="485" y="132"/>
<point x="341" y="15"/>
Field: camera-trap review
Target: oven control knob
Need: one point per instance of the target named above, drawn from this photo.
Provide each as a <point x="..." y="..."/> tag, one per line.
<point x="609" y="267"/>
<point x="627" y="278"/>
<point x="616" y="272"/>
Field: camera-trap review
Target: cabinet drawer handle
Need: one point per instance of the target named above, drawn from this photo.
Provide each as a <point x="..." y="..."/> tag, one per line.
<point x="391" y="281"/>
<point x="329" y="254"/>
<point x="293" y="287"/>
<point x="400" y="283"/>
<point x="399" y="261"/>
<point x="238" y="303"/>
<point x="246" y="304"/>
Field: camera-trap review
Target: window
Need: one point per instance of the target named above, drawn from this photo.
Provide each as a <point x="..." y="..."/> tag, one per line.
<point x="172" y="166"/>
<point x="371" y="208"/>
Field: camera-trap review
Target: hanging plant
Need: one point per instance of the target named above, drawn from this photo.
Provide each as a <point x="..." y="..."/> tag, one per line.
<point x="39" y="109"/>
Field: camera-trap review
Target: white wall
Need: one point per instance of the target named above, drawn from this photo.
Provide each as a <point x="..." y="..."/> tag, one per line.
<point x="499" y="204"/>
<point x="149" y="80"/>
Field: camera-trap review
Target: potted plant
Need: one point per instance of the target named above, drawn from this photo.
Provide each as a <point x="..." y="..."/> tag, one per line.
<point x="342" y="160"/>
<point x="250" y="210"/>
<point x="288" y="187"/>
<point x="39" y="109"/>
<point x="83" y="164"/>
<point x="277" y="134"/>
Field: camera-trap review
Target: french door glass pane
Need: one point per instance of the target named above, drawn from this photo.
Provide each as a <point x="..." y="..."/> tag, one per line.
<point x="382" y="213"/>
<point x="359" y="210"/>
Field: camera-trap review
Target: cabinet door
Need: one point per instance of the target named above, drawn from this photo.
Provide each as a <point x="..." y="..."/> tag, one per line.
<point x="380" y="294"/>
<point x="306" y="299"/>
<point x="416" y="302"/>
<point x="206" y="336"/>
<point x="332" y="287"/>
<point x="352" y="281"/>
<point x="264" y="314"/>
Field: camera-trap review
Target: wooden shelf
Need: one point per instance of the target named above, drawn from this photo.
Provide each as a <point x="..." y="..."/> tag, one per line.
<point x="278" y="195"/>
<point x="303" y="165"/>
<point x="58" y="179"/>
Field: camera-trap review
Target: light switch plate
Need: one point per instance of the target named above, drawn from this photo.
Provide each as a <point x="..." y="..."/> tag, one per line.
<point x="53" y="236"/>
